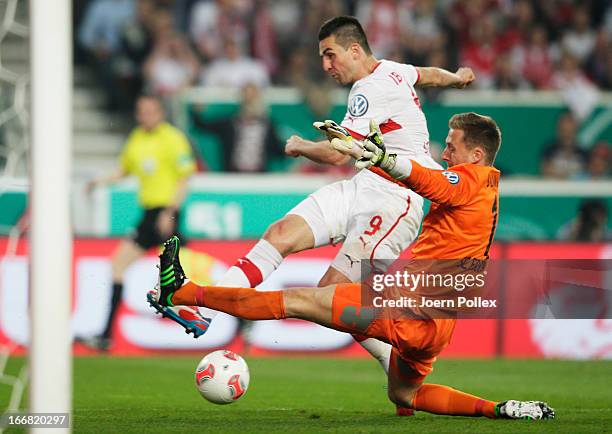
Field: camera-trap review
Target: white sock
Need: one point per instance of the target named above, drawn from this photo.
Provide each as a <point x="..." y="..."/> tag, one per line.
<point x="380" y="350"/>
<point x="250" y="270"/>
<point x="254" y="267"/>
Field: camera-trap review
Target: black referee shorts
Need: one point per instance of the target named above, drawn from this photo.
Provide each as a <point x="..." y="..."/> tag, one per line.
<point x="146" y="234"/>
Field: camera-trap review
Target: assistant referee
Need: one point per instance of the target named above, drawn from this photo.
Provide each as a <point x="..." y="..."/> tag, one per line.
<point x="160" y="156"/>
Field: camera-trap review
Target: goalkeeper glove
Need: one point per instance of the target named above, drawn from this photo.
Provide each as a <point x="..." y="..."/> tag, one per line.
<point x="340" y="139"/>
<point x="375" y="152"/>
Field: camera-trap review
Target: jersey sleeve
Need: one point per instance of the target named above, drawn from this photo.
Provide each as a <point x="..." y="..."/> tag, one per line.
<point x="412" y="74"/>
<point x="183" y="156"/>
<point x="368" y="101"/>
<point x="453" y="187"/>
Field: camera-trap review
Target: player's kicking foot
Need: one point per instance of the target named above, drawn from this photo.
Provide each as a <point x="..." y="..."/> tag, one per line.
<point x="532" y="410"/>
<point x="171" y="278"/>
<point x="187" y="316"/>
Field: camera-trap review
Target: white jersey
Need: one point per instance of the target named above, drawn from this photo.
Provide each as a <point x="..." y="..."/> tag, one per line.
<point x="388" y="96"/>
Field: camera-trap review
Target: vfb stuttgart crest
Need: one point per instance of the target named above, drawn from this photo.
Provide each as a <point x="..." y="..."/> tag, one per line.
<point x="358" y="106"/>
<point x="452" y="177"/>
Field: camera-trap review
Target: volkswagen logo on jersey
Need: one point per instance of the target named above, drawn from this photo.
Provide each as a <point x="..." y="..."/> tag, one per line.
<point x="358" y="106"/>
<point x="452" y="177"/>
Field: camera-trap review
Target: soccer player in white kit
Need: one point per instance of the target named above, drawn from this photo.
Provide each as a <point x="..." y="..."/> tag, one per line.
<point x="372" y="216"/>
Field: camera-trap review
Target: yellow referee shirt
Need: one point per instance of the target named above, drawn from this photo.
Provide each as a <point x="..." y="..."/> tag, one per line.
<point x="160" y="159"/>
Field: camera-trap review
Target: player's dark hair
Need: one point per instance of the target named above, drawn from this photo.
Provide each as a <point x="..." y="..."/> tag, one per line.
<point x="346" y="30"/>
<point x="478" y="130"/>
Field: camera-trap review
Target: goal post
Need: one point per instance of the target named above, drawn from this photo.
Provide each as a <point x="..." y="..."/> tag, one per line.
<point x="50" y="360"/>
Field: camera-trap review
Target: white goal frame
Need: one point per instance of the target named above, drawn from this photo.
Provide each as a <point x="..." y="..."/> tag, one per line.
<point x="50" y="357"/>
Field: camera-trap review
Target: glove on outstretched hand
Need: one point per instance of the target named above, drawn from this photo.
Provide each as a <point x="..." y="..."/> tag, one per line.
<point x="340" y="138"/>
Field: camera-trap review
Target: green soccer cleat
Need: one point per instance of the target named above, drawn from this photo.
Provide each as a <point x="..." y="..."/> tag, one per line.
<point x="171" y="274"/>
<point x="530" y="410"/>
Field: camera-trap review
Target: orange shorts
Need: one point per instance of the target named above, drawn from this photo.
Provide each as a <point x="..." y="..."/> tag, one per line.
<point x="417" y="341"/>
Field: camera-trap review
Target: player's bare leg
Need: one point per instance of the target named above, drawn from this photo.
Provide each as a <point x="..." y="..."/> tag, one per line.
<point x="291" y="234"/>
<point x="288" y="235"/>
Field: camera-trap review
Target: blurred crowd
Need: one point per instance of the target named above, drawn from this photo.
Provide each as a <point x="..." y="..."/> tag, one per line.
<point x="162" y="46"/>
<point x="511" y="44"/>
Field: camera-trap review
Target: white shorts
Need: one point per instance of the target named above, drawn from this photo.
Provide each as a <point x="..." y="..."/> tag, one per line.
<point x="374" y="218"/>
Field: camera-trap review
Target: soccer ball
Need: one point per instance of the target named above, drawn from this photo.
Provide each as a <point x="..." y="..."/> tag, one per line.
<point x="222" y="377"/>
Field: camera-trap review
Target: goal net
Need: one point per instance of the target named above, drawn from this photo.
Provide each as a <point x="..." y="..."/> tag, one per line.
<point x="14" y="125"/>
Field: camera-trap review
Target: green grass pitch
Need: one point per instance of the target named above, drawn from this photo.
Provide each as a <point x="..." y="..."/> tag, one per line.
<point x="157" y="394"/>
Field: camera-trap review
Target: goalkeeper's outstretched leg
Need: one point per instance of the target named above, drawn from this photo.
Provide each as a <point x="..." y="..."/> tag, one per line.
<point x="339" y="307"/>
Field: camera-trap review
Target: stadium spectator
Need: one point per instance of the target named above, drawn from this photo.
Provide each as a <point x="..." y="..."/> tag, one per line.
<point x="590" y="225"/>
<point x="506" y="77"/>
<point x="600" y="161"/>
<point x="463" y="15"/>
<point x="599" y="65"/>
<point x="481" y="51"/>
<point x="136" y="42"/>
<point x="563" y="158"/>
<point x="234" y="69"/>
<point x="578" y="92"/>
<point x="404" y="30"/>
<point x="421" y="30"/>
<point x="99" y="36"/>
<point x="159" y="155"/>
<point x="297" y="68"/>
<point x="248" y="139"/>
<point x="101" y="27"/>
<point x="534" y="59"/>
<point x="380" y="20"/>
<point x="171" y="65"/>
<point x="579" y="40"/>
<point x="286" y="17"/>
<point x="516" y="24"/>
<point x="213" y="22"/>
<point x="556" y="15"/>
<point x="263" y="37"/>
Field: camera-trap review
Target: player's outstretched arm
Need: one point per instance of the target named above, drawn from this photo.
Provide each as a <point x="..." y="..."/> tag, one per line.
<point x="319" y="152"/>
<point x="438" y="77"/>
<point x="436" y="185"/>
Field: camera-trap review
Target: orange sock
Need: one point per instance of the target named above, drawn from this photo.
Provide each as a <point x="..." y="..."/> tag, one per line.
<point x="244" y="303"/>
<point x="437" y="399"/>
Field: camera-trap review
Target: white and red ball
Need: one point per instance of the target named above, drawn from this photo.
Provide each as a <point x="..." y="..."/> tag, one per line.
<point x="222" y="377"/>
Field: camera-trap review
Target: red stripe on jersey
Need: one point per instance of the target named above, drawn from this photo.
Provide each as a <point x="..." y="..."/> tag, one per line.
<point x="418" y="75"/>
<point x="389" y="126"/>
<point x="355" y="134"/>
<point x="250" y="270"/>
<point x="385" y="128"/>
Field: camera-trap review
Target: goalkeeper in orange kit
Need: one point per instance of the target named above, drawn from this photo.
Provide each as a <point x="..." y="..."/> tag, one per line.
<point x="460" y="224"/>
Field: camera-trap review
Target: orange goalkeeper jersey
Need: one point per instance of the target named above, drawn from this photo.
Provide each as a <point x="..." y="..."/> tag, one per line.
<point x="463" y="215"/>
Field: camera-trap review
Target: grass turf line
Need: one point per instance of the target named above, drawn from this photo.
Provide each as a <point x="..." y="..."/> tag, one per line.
<point x="135" y="395"/>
